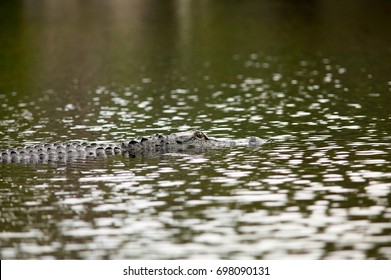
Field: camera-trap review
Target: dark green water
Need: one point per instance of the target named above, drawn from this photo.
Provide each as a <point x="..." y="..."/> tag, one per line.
<point x="314" y="76"/>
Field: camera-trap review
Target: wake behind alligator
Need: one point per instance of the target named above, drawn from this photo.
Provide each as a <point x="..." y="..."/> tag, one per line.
<point x="188" y="142"/>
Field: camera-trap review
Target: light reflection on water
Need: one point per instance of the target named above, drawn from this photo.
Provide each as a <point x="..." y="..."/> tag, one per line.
<point x="236" y="203"/>
<point x="319" y="190"/>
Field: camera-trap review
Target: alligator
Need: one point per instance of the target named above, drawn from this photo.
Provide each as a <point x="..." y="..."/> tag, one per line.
<point x="193" y="141"/>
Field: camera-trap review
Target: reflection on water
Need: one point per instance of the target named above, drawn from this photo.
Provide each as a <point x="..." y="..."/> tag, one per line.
<point x="236" y="203"/>
<point x="319" y="190"/>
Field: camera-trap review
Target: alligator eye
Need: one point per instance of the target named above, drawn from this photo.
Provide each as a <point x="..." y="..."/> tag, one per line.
<point x="199" y="134"/>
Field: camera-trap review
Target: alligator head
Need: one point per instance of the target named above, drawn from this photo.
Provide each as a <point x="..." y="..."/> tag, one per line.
<point x="187" y="136"/>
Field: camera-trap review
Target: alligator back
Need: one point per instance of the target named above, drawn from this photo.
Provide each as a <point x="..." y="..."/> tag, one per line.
<point x="57" y="152"/>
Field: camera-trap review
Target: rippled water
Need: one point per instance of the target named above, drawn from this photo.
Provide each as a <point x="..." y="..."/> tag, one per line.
<point x="320" y="190"/>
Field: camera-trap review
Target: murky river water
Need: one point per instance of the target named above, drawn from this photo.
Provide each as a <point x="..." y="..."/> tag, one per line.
<point x="312" y="76"/>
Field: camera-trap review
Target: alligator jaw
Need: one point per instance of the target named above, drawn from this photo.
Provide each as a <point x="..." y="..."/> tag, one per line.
<point x="249" y="141"/>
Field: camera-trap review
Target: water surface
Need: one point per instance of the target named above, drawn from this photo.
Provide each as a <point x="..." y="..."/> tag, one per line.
<point x="313" y="76"/>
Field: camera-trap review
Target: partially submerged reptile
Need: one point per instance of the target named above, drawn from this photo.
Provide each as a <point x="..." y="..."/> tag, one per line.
<point x="183" y="142"/>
